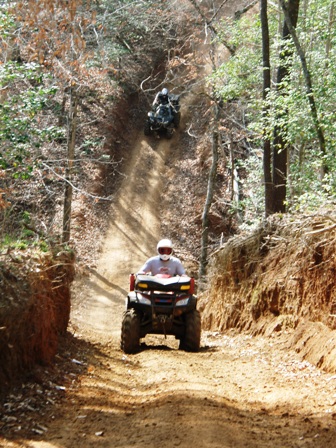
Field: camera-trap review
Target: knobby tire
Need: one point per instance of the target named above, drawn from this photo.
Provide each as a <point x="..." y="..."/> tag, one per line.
<point x="130" y="332"/>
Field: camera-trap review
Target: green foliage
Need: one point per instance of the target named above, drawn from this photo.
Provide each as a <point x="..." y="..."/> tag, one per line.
<point x="7" y="23"/>
<point x="234" y="78"/>
<point x="24" y="236"/>
<point x="42" y="245"/>
<point x="26" y="91"/>
<point x="23" y="243"/>
<point x="240" y="78"/>
<point x="26" y="217"/>
<point x="10" y="242"/>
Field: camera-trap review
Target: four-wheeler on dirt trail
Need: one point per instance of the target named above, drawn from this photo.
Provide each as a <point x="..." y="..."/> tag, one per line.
<point x="161" y="304"/>
<point x="165" y="118"/>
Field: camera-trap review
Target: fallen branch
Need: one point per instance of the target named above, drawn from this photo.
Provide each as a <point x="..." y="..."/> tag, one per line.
<point x="322" y="230"/>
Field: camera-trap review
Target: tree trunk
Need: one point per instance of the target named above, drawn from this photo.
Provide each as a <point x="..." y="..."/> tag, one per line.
<point x="209" y="198"/>
<point x="280" y="147"/>
<point x="266" y="88"/>
<point x="309" y="86"/>
<point x="69" y="169"/>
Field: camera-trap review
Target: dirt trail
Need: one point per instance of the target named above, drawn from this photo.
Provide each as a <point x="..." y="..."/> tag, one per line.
<point x="237" y="391"/>
<point x="132" y="234"/>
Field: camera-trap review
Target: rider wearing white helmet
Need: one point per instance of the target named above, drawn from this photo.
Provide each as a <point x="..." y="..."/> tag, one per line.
<point x="164" y="262"/>
<point x="164" y="249"/>
<point x="161" y="97"/>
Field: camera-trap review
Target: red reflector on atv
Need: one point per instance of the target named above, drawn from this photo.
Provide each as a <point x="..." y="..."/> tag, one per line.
<point x="192" y="285"/>
<point x="132" y="282"/>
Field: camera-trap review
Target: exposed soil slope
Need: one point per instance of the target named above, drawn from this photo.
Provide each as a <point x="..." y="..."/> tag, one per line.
<point x="281" y="277"/>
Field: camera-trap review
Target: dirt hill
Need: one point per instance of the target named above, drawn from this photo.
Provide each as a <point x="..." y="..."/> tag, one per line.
<point x="280" y="278"/>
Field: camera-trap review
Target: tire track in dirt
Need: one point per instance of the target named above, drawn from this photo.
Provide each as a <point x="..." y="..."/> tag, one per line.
<point x="131" y="237"/>
<point x="237" y="392"/>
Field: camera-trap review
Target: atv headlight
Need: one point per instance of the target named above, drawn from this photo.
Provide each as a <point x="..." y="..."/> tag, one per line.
<point x="143" y="300"/>
<point x="142" y="285"/>
<point x="185" y="287"/>
<point x="182" y="302"/>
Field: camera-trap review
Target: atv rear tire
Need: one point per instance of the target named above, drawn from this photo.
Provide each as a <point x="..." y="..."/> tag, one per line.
<point x="147" y="129"/>
<point x="130" y="332"/>
<point x="191" y="340"/>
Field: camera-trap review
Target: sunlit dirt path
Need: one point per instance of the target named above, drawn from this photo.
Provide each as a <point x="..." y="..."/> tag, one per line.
<point x="237" y="392"/>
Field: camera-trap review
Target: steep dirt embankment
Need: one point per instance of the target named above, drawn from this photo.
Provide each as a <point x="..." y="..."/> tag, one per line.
<point x="279" y="278"/>
<point x="34" y="309"/>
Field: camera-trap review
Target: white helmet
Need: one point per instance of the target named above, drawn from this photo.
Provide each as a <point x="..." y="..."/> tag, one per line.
<point x="165" y="249"/>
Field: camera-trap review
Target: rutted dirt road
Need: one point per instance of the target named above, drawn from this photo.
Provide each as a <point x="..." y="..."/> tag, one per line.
<point x="237" y="391"/>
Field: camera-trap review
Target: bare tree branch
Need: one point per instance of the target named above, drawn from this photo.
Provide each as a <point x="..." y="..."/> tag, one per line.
<point x="92" y="196"/>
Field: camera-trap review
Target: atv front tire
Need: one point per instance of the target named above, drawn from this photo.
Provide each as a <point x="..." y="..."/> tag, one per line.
<point x="191" y="340"/>
<point x="130" y="332"/>
<point x="147" y="129"/>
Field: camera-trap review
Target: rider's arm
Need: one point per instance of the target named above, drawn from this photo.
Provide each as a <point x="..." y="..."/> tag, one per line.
<point x="171" y="105"/>
<point x="156" y="99"/>
<point x="180" y="269"/>
<point x="146" y="268"/>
